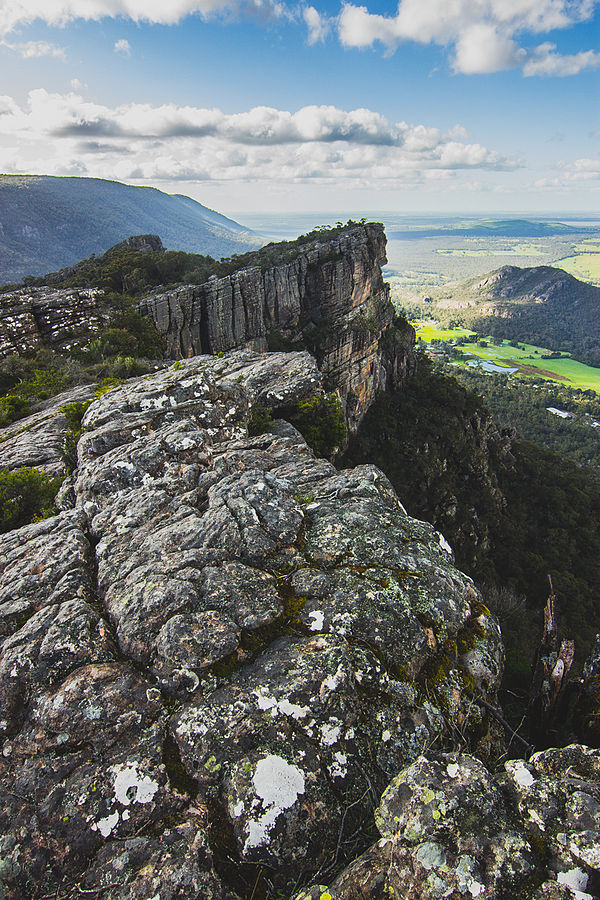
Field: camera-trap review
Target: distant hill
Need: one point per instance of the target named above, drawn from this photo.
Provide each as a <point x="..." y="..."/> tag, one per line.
<point x="499" y="228"/>
<point x="541" y="305"/>
<point x="47" y="222"/>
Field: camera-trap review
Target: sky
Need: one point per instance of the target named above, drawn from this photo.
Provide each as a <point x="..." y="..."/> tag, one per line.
<point x="431" y="106"/>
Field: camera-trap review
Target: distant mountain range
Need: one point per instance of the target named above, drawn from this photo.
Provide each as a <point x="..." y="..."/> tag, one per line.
<point x="500" y="228"/>
<point x="49" y="222"/>
<point x="541" y="304"/>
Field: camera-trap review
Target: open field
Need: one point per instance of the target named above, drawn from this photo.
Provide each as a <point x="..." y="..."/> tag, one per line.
<point x="526" y="358"/>
<point x="586" y="264"/>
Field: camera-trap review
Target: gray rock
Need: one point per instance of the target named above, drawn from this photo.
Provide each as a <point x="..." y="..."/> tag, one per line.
<point x="450" y="829"/>
<point x="224" y="638"/>
<point x="330" y="297"/>
<point x="39" y="439"/>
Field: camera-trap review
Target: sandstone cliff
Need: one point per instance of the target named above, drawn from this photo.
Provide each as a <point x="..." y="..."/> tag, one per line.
<point x="331" y="298"/>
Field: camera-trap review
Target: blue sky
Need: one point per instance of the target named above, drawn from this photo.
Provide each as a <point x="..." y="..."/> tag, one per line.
<point x="265" y="105"/>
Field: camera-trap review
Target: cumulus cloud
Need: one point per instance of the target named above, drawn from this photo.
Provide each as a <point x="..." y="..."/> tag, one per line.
<point x="545" y="61"/>
<point x="482" y="33"/>
<point x="54" y="133"/>
<point x="35" y="49"/>
<point x="481" y="49"/>
<point x="318" y="25"/>
<point x="60" y="12"/>
<point x="122" y="47"/>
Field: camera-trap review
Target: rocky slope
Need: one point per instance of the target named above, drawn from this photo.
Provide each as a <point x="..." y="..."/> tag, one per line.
<point x="48" y="222"/>
<point x="189" y="689"/>
<point x="330" y="297"/>
<point x="216" y="659"/>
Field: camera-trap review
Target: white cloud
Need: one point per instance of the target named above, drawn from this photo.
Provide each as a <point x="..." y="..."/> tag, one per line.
<point x="481" y="49"/>
<point x="318" y="25"/>
<point x="123" y="47"/>
<point x="545" y="61"/>
<point x="63" y="133"/>
<point x="482" y="32"/>
<point x="60" y="12"/>
<point x="35" y="49"/>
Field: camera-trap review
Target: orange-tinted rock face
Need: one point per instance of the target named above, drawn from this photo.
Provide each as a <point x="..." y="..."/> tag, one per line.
<point x="331" y="298"/>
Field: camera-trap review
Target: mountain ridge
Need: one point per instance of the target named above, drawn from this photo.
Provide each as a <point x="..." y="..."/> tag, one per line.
<point x="541" y="305"/>
<point x="48" y="222"/>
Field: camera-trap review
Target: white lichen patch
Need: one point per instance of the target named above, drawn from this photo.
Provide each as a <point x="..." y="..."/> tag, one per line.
<point x="330" y="732"/>
<point x="452" y="769"/>
<point x="431" y="855"/>
<point x="338" y="768"/>
<point x="132" y="787"/>
<point x="107" y="825"/>
<point x="520" y="773"/>
<point x="283" y="707"/>
<point x="318" y="618"/>
<point x="444" y="543"/>
<point x="278" y="785"/>
<point x="577" y="881"/>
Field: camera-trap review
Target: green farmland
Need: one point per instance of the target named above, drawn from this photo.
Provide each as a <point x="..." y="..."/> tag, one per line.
<point x="586" y="264"/>
<point x="526" y="358"/>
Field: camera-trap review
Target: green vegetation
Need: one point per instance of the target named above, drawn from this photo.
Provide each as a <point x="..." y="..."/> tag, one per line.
<point x="12" y="408"/>
<point x="585" y="264"/>
<point x="74" y="413"/>
<point x="260" y="419"/>
<point x="522" y="403"/>
<point x="513" y="512"/>
<point x="321" y="422"/>
<point x="541" y="305"/>
<point x="26" y="495"/>
<point x="529" y="359"/>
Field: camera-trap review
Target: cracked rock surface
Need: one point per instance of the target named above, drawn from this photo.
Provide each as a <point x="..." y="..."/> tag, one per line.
<point x="450" y="829"/>
<point x="222" y="650"/>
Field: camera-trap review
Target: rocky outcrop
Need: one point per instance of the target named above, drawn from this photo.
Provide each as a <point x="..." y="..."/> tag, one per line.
<point x="216" y="657"/>
<point x="330" y="297"/>
<point x="39" y="439"/>
<point x="31" y="318"/>
<point x="450" y="829"/>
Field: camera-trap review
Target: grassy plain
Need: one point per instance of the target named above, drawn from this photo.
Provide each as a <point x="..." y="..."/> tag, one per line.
<point x="528" y="358"/>
<point x="586" y="264"/>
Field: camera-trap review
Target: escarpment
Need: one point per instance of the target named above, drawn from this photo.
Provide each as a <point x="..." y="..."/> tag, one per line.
<point x="225" y="662"/>
<point x="330" y="297"/>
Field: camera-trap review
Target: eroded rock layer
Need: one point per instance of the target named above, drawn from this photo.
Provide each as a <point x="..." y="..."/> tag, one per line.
<point x="330" y="297"/>
<point x="216" y="657"/>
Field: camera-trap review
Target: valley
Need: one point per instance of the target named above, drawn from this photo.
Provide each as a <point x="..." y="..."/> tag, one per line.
<point x="506" y="357"/>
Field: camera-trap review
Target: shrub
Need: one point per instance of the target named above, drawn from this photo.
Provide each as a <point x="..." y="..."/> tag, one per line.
<point x="11" y="409"/>
<point x="321" y="422"/>
<point x="260" y="419"/>
<point x="74" y="413"/>
<point x="26" y="495"/>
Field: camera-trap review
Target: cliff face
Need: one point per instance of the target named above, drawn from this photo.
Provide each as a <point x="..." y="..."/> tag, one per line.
<point x="330" y="298"/>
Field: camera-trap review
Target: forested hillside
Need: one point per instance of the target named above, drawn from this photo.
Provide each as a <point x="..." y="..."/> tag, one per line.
<point x="49" y="222"/>
<point x="539" y="305"/>
<point x="512" y="511"/>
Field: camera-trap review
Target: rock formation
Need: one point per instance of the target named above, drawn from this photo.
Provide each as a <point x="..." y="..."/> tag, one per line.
<point x="60" y="318"/>
<point x="218" y="656"/>
<point x="219" y="653"/>
<point x="450" y="829"/>
<point x="330" y="297"/>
